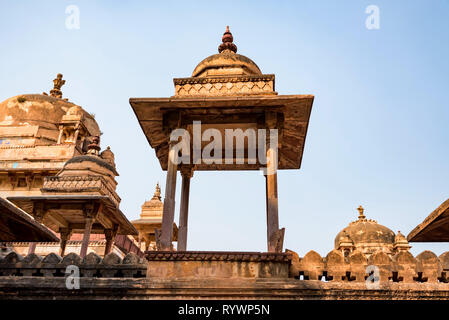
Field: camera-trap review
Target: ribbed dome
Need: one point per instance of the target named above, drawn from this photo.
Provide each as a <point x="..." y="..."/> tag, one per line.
<point x="42" y="110"/>
<point x="367" y="235"/>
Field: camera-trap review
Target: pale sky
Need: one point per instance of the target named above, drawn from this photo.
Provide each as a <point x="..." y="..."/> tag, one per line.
<point x="378" y="132"/>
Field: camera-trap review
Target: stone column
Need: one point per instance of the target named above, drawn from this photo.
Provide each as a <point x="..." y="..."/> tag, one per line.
<point x="90" y="212"/>
<point x="65" y="234"/>
<point x="86" y="236"/>
<point x="38" y="214"/>
<point x="140" y="240"/>
<point x="110" y="237"/>
<point x="32" y="247"/>
<point x="168" y="214"/>
<point x="274" y="235"/>
<point x="186" y="174"/>
<point x="61" y="130"/>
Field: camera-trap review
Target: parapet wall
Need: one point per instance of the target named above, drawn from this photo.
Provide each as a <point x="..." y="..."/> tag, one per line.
<point x="356" y="267"/>
<point x="310" y="277"/>
<point x="52" y="265"/>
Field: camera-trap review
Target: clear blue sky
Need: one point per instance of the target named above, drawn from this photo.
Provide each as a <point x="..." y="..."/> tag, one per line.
<point x="378" y="133"/>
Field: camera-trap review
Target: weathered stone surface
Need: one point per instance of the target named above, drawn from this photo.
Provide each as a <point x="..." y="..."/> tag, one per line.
<point x="12" y="257"/>
<point x="429" y="266"/>
<point x="217" y="265"/>
<point x="260" y="289"/>
<point x="335" y="266"/>
<point x="32" y="259"/>
<point x="132" y="258"/>
<point x="52" y="258"/>
<point x="92" y="258"/>
<point x="111" y="259"/>
<point x="405" y="265"/>
<point x="312" y="266"/>
<point x="71" y="259"/>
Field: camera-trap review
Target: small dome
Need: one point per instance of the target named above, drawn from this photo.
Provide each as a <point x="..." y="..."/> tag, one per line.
<point x="367" y="235"/>
<point x="108" y="156"/>
<point x="75" y="110"/>
<point x="227" y="62"/>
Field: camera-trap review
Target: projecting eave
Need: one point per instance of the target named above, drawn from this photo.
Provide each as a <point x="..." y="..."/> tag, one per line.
<point x="155" y="116"/>
<point x="435" y="228"/>
<point x="19" y="226"/>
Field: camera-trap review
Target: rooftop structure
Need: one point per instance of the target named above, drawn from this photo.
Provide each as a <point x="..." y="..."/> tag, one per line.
<point x="52" y="168"/>
<point x="227" y="91"/>
<point x="150" y="221"/>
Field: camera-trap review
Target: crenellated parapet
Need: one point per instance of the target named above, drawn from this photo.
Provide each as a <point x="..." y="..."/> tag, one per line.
<point x="357" y="267"/>
<point x="53" y="266"/>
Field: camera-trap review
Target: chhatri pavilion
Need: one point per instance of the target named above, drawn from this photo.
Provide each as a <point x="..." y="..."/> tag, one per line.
<point x="226" y="91"/>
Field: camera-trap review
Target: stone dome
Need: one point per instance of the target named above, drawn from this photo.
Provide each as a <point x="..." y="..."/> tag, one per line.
<point x="367" y="235"/>
<point x="33" y="109"/>
<point x="44" y="110"/>
<point x="108" y="156"/>
<point x="227" y="62"/>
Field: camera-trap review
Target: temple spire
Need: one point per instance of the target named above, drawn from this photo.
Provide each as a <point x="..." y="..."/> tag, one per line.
<point x="157" y="193"/>
<point x="227" y="43"/>
<point x="57" y="84"/>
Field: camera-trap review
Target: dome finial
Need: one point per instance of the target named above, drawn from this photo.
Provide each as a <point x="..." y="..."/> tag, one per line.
<point x="227" y="42"/>
<point x="57" y="84"/>
<point x="157" y="193"/>
<point x="361" y="215"/>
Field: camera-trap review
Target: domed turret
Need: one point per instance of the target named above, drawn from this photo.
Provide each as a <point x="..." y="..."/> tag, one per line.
<point x="366" y="235"/>
<point x="108" y="156"/>
<point x="225" y="74"/>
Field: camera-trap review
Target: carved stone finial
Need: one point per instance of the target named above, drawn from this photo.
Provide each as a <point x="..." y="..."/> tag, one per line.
<point x="361" y="215"/>
<point x="157" y="193"/>
<point x="227" y="42"/>
<point x="94" y="147"/>
<point x="57" y="84"/>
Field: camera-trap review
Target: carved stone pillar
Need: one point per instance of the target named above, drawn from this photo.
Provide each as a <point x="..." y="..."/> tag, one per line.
<point x="168" y="215"/>
<point x="110" y="237"/>
<point x="186" y="174"/>
<point x="65" y="234"/>
<point x="90" y="212"/>
<point x="32" y="247"/>
<point x="274" y="235"/>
